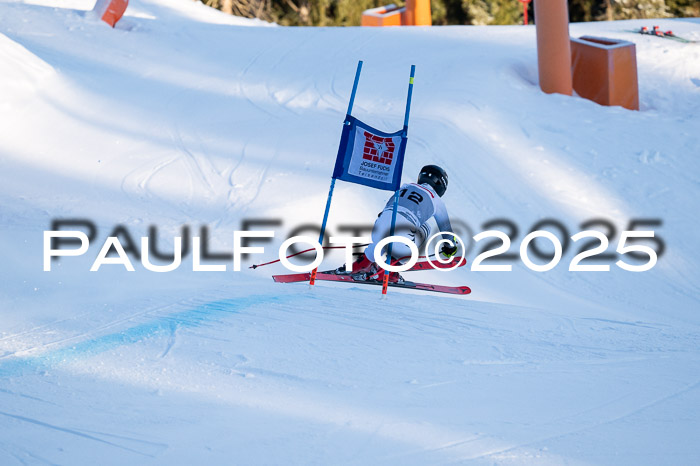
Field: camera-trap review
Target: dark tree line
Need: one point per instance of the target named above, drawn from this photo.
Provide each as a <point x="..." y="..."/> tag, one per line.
<point x="444" y="12"/>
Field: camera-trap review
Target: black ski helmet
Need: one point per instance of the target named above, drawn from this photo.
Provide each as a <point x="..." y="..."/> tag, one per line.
<point x="435" y="177"/>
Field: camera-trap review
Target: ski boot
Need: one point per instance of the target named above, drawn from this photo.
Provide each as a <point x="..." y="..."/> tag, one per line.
<point x="361" y="265"/>
<point x="394" y="277"/>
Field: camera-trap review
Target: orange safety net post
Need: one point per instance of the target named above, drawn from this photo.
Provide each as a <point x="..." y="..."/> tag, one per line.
<point x="605" y="71"/>
<point x="417" y="13"/>
<point x="553" y="47"/>
<point x="110" y="11"/>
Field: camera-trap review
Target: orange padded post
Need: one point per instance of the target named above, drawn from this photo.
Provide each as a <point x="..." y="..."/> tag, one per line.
<point x="389" y="15"/>
<point x="553" y="47"/>
<point x="110" y="11"/>
<point x="417" y="13"/>
<point x="605" y="71"/>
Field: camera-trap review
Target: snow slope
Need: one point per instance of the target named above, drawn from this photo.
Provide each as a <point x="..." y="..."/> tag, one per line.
<point x="184" y="116"/>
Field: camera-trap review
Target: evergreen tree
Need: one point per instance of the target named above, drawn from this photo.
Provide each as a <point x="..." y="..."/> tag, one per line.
<point x="247" y="8"/>
<point x="633" y="9"/>
<point x="484" y="12"/>
<point x="683" y="8"/>
<point x="446" y="12"/>
<point x="586" y="10"/>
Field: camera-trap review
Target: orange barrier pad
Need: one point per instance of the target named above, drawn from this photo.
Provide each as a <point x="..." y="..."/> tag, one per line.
<point x="415" y="13"/>
<point x="605" y="71"/>
<point x="389" y="15"/>
<point x="110" y="11"/>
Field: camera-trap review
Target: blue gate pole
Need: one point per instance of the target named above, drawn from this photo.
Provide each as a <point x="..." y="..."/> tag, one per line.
<point x="410" y="94"/>
<point x="396" y="194"/>
<point x="354" y="86"/>
<point x="330" y="191"/>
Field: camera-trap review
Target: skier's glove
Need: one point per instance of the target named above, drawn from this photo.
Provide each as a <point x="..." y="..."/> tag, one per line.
<point x="449" y="251"/>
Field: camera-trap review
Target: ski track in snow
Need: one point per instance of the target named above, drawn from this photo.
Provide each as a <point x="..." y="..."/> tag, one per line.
<point x="78" y="433"/>
<point x="443" y="325"/>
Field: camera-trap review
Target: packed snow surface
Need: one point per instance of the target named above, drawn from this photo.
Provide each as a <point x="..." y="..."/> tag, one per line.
<point x="183" y="116"/>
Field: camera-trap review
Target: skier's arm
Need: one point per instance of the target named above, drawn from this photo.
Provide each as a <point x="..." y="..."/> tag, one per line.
<point x="442" y="219"/>
<point x="443" y="222"/>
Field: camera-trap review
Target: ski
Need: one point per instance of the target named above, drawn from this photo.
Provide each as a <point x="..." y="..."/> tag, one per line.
<point x="304" y="277"/>
<point x="664" y="35"/>
<point x="425" y="265"/>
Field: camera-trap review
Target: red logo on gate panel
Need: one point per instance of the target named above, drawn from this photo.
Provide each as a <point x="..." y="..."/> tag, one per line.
<point x="378" y="149"/>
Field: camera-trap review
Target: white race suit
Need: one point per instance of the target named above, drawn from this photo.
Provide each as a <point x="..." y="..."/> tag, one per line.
<point x="418" y="203"/>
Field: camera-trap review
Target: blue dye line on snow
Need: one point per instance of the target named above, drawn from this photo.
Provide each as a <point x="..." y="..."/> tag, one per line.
<point x="165" y="325"/>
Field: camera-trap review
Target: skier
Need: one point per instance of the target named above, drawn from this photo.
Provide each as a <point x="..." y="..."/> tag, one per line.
<point x="418" y="203"/>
